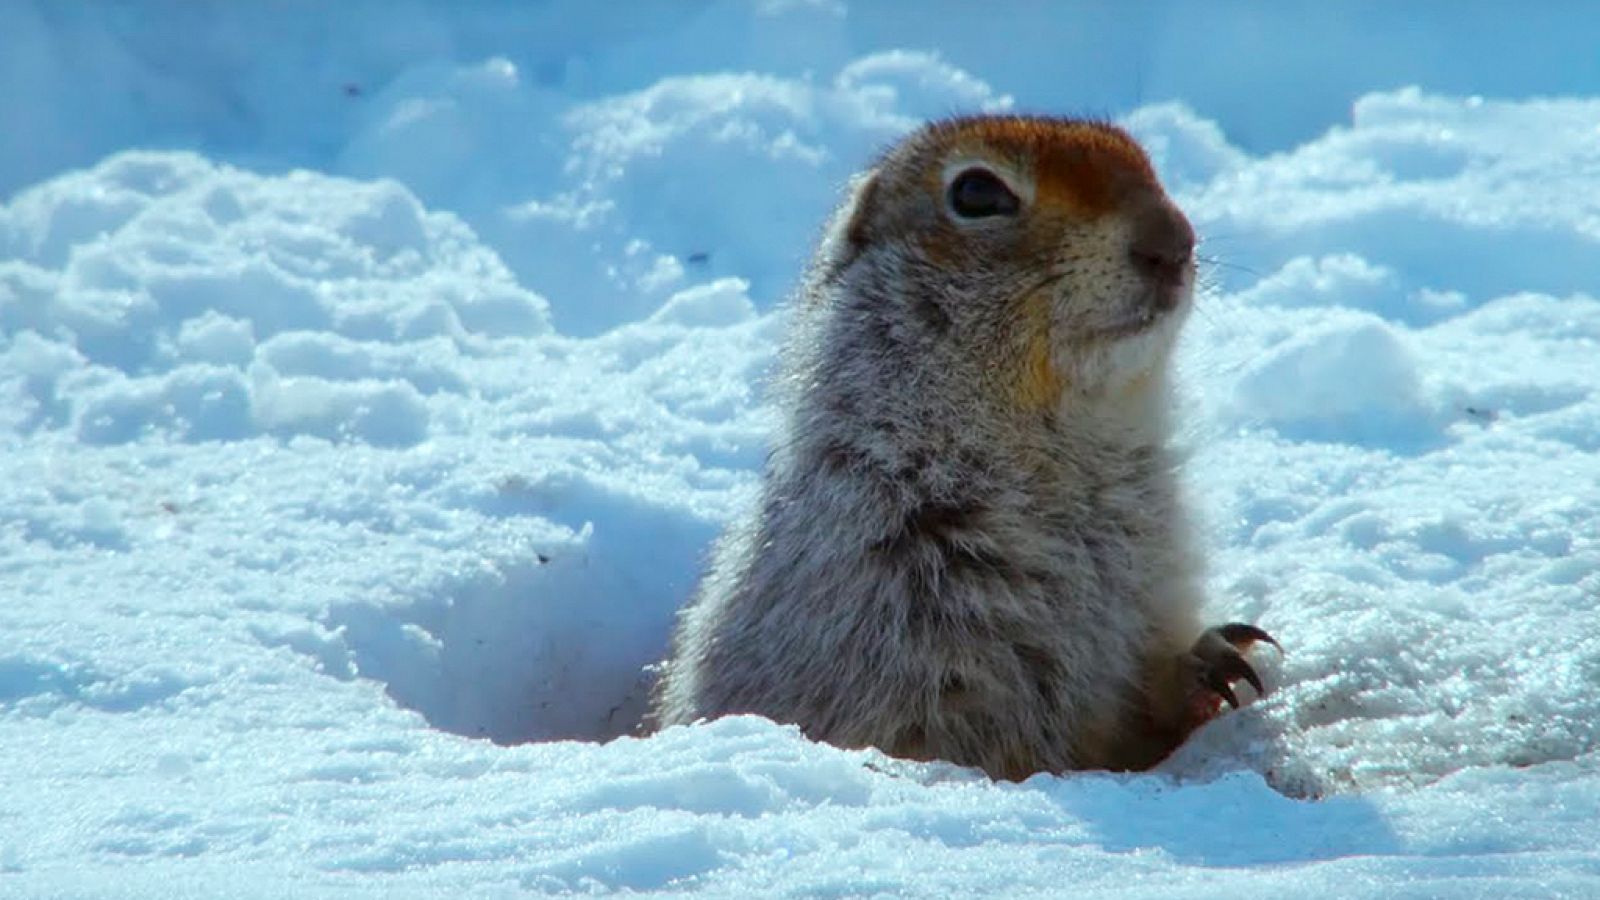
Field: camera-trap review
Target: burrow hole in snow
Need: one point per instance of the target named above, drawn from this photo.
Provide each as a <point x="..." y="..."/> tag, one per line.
<point x="557" y="646"/>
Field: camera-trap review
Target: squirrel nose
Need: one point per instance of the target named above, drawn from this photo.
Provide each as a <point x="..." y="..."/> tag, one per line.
<point x="1163" y="242"/>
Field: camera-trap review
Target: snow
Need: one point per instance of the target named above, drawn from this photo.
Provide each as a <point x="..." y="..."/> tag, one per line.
<point x="374" y="378"/>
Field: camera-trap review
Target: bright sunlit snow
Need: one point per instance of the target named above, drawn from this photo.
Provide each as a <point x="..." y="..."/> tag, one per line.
<point x="373" y="378"/>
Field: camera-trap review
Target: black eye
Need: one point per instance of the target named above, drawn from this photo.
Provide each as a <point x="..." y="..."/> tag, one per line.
<point x="979" y="193"/>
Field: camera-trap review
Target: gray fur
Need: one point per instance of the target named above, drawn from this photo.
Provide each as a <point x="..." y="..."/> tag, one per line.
<point x="934" y="568"/>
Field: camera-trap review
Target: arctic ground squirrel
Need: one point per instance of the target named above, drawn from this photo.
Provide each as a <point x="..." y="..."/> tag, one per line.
<point x="970" y="543"/>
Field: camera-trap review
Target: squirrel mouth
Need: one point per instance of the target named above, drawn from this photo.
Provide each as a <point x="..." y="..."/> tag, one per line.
<point x="1159" y="301"/>
<point x="1136" y="324"/>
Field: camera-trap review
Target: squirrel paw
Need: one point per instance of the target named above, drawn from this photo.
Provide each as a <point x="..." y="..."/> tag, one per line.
<point x="1218" y="660"/>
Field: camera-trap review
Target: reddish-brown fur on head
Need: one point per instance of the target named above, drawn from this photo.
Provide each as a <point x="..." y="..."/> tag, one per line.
<point x="1073" y="172"/>
<point x="1069" y="172"/>
<point x="1081" y="167"/>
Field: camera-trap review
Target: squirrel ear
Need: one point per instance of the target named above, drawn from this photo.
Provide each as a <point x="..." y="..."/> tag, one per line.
<point x="849" y="230"/>
<point x="863" y="196"/>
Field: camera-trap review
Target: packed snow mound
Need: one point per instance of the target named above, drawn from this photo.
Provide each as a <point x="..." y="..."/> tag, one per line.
<point x="1482" y="197"/>
<point x="344" y="509"/>
<point x="634" y="192"/>
<point x="210" y="303"/>
<point x="264" y="328"/>
<point x="1387" y="435"/>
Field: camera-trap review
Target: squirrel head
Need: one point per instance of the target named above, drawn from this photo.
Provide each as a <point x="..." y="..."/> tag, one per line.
<point x="1038" y="255"/>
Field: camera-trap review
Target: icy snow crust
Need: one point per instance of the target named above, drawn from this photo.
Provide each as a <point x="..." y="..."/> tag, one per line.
<point x="340" y="514"/>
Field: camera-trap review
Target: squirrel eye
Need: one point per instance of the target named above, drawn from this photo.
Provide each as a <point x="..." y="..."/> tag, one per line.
<point x="979" y="193"/>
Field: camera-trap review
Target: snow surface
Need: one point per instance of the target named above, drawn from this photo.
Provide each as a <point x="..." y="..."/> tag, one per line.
<point x="373" y="378"/>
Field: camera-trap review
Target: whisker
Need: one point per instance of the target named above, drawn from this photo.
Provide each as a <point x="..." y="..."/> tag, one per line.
<point x="1207" y="237"/>
<point x="1214" y="261"/>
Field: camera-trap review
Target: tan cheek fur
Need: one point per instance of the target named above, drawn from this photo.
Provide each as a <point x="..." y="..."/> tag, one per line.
<point x="1061" y="323"/>
<point x="1039" y="381"/>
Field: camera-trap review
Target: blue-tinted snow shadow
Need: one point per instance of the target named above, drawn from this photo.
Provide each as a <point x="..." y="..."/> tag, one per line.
<point x="1236" y="820"/>
<point x="44" y="685"/>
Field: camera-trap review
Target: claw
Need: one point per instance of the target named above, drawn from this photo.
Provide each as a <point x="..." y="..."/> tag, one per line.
<point x="1242" y="635"/>
<point x="1228" y="669"/>
<point x="1221" y="650"/>
<point x="1224" y="690"/>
